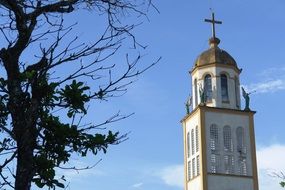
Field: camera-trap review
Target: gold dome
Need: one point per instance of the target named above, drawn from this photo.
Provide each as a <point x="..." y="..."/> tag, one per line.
<point x="215" y="55"/>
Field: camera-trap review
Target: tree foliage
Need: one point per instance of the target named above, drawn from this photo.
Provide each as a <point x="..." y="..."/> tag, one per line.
<point x="33" y="134"/>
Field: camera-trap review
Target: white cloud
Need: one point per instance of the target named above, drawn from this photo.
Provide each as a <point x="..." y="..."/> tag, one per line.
<point x="268" y="86"/>
<point x="172" y="175"/>
<point x="271" y="157"/>
<point x="272" y="73"/>
<point x="270" y="160"/>
<point x="137" y="185"/>
<point x="271" y="80"/>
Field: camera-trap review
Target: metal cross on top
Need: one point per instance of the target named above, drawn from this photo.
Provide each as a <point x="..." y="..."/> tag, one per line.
<point x="213" y="21"/>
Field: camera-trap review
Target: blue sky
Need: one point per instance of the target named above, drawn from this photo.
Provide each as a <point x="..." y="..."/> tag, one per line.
<point x="152" y="159"/>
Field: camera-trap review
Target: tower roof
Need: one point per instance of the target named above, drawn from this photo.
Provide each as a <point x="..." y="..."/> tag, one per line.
<point x="215" y="55"/>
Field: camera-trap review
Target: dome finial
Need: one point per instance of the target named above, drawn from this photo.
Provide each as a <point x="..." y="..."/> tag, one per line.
<point x="213" y="41"/>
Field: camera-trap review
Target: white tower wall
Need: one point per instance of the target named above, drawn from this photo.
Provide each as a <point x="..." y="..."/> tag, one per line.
<point x="202" y="118"/>
<point x="215" y="71"/>
<point x="233" y="120"/>
<point x="229" y="183"/>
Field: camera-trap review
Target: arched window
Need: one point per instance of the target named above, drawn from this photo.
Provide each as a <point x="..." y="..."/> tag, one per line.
<point x="241" y="149"/>
<point x="192" y="142"/>
<point x="240" y="140"/>
<point x="196" y="92"/>
<point x="214" y="146"/>
<point x="208" y="88"/>
<point x="214" y="137"/>
<point x="197" y="138"/>
<point x="188" y="144"/>
<point x="224" y="88"/>
<point x="228" y="142"/>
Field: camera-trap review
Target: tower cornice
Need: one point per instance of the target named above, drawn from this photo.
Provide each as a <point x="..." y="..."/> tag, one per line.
<point x="215" y="65"/>
<point x="217" y="109"/>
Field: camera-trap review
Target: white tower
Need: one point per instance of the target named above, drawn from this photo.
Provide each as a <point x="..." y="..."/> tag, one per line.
<point x="219" y="144"/>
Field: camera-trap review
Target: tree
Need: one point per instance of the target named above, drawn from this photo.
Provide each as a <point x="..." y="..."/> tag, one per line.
<point x="33" y="133"/>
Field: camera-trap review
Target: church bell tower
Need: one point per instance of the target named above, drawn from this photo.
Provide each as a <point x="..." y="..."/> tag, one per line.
<point x="219" y="142"/>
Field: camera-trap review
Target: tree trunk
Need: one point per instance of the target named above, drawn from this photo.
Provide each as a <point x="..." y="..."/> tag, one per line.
<point x="23" y="120"/>
<point x="24" y="172"/>
<point x="25" y="133"/>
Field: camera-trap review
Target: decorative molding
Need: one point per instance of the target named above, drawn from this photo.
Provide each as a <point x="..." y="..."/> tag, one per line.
<point x="192" y="72"/>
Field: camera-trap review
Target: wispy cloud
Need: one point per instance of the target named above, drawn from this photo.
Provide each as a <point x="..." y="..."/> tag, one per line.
<point x="172" y="175"/>
<point x="270" y="80"/>
<point x="268" y="86"/>
<point x="137" y="185"/>
<point x="273" y="72"/>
